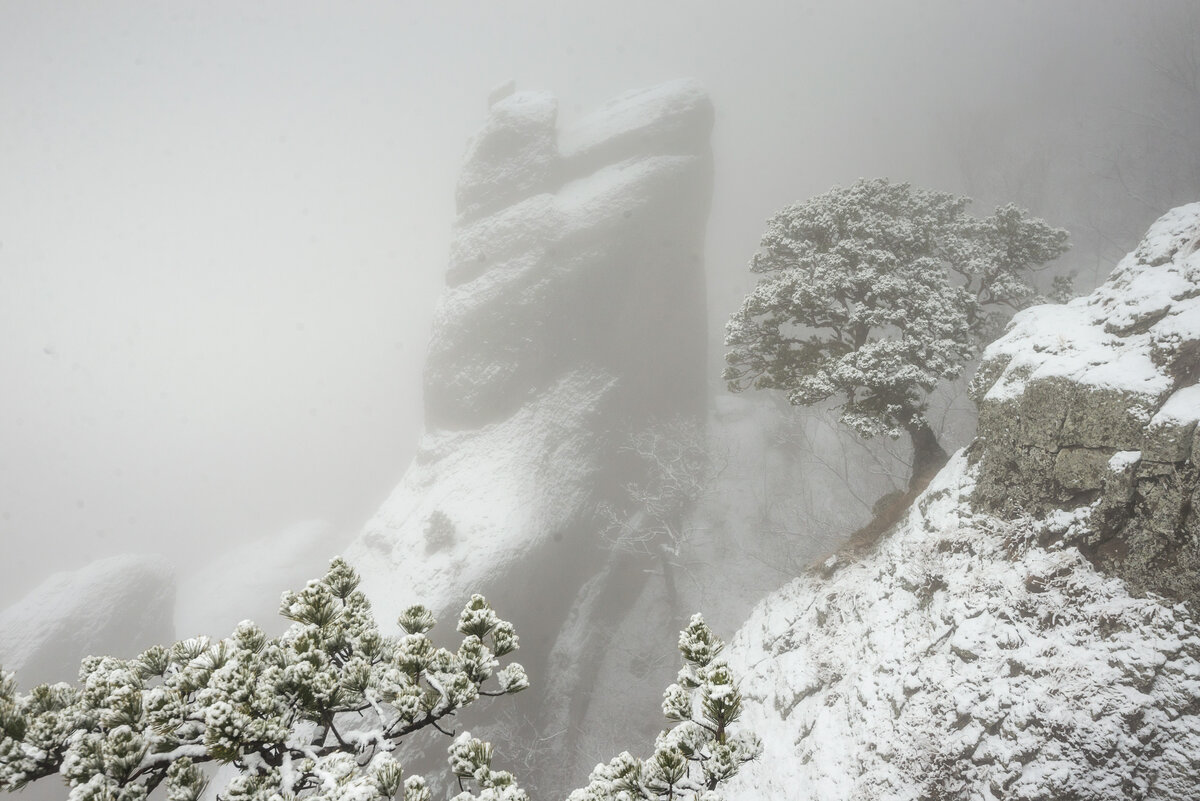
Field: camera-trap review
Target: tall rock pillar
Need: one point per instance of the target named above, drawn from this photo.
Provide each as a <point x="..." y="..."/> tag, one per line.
<point x="573" y="317"/>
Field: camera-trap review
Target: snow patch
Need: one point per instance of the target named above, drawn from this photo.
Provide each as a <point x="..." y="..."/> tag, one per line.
<point x="505" y="488"/>
<point x="1114" y="338"/>
<point x="672" y="117"/>
<point x="1181" y="409"/>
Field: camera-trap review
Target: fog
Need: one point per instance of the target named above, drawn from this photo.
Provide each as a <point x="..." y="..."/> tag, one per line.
<point x="223" y="226"/>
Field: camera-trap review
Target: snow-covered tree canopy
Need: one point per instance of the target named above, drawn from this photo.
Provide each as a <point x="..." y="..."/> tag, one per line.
<point x="317" y="712"/>
<point x="877" y="292"/>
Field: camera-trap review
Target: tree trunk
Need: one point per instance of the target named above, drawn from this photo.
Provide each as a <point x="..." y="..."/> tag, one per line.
<point x="928" y="455"/>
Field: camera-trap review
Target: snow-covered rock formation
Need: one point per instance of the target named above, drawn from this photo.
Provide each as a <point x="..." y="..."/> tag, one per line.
<point x="1095" y="404"/>
<point x="245" y="582"/>
<point x="119" y="605"/>
<point x="573" y="317"/>
<point x="1029" y="630"/>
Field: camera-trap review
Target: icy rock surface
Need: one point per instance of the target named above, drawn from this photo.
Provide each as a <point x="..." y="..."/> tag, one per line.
<point x="120" y="606"/>
<point x="514" y="156"/>
<point x="963" y="660"/>
<point x="573" y="316"/>
<point x="1095" y="403"/>
<point x="1028" y="631"/>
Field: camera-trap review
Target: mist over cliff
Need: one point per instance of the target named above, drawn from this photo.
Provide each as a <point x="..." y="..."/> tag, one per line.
<point x="224" y="235"/>
<point x="444" y="291"/>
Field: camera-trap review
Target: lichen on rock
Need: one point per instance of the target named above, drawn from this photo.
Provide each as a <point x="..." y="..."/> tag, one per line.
<point x="1069" y="387"/>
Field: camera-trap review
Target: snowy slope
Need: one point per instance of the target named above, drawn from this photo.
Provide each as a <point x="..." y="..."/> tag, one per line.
<point x="1028" y="631"/>
<point x="506" y="489"/>
<point x="962" y="660"/>
<point x="1119" y="338"/>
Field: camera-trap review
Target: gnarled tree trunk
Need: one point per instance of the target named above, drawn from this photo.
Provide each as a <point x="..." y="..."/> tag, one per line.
<point x="928" y="454"/>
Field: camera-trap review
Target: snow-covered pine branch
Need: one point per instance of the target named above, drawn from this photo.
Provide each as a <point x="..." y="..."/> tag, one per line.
<point x="317" y="712"/>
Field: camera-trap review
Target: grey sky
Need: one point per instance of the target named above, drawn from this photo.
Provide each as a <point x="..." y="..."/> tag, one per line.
<point x="223" y="225"/>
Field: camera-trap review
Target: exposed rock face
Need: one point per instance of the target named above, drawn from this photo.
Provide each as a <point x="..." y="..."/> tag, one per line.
<point x="585" y="257"/>
<point x="574" y="315"/>
<point x="1007" y="640"/>
<point x="1095" y="404"/>
<point x="119" y="606"/>
<point x="767" y="511"/>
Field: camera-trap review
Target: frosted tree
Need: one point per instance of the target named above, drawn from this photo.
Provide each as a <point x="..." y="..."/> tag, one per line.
<point x="318" y="712"/>
<point x="669" y="471"/>
<point x="692" y="759"/>
<point x="669" y="462"/>
<point x="874" y="294"/>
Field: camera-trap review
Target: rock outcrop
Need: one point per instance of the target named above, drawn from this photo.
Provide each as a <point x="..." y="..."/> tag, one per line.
<point x="1028" y="631"/>
<point x="1095" y="403"/>
<point x="577" y="262"/>
<point x="573" y="317"/>
<point x="120" y="606"/>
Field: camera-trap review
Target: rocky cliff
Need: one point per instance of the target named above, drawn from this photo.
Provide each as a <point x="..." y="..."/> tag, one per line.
<point x="577" y="259"/>
<point x="119" y="605"/>
<point x="1093" y="406"/>
<point x="573" y="318"/>
<point x="1028" y="631"/>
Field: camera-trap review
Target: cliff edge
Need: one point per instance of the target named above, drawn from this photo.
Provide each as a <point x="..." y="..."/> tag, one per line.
<point x="1028" y="631"/>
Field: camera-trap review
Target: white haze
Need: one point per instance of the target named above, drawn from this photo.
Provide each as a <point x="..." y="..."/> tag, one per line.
<point x="223" y="225"/>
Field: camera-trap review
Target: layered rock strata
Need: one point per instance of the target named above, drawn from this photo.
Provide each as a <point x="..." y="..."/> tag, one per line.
<point x="573" y="317"/>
